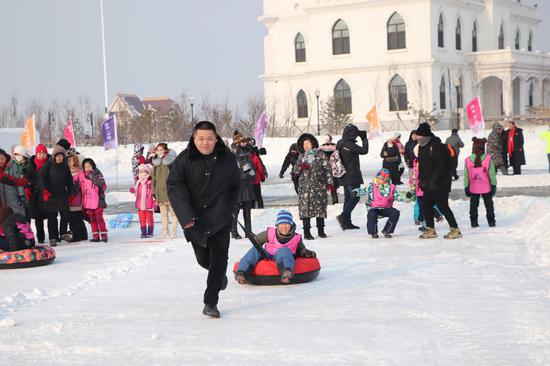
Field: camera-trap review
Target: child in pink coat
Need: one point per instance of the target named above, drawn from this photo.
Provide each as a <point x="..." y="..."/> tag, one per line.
<point x="145" y="202"/>
<point x="93" y="199"/>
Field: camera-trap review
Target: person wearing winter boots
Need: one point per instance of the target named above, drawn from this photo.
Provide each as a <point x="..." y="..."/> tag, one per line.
<point x="203" y="187"/>
<point x="241" y="149"/>
<point x="494" y="148"/>
<point x="55" y="184"/>
<point x="545" y="135"/>
<point x="15" y="232"/>
<point x="349" y="154"/>
<point x="280" y="243"/>
<point x="434" y="177"/>
<point x="76" y="216"/>
<point x="391" y="159"/>
<point x="516" y="154"/>
<point x="480" y="180"/>
<point x="161" y="169"/>
<point x="14" y="195"/>
<point x="315" y="179"/>
<point x="329" y="148"/>
<point x="381" y="193"/>
<point x="456" y="143"/>
<point x="290" y="161"/>
<point x="260" y="174"/>
<point x="93" y="200"/>
<point x="137" y="160"/>
<point x="145" y="203"/>
<point x="32" y="192"/>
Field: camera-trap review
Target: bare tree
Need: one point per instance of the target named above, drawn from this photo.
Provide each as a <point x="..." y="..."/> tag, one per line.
<point x="333" y="118"/>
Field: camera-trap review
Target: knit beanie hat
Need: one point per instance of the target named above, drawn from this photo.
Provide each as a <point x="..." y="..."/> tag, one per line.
<point x="64" y="144"/>
<point x="284" y="217"/>
<point x="146" y="167"/>
<point x="237" y="137"/>
<point x="41" y="148"/>
<point x="138" y="148"/>
<point x="383" y="174"/>
<point x="20" y="150"/>
<point x="424" y="129"/>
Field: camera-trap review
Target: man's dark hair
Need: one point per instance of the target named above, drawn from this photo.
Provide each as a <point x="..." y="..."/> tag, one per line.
<point x="454" y="130"/>
<point x="204" y="125"/>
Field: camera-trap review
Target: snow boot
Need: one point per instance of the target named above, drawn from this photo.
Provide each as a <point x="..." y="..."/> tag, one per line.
<point x="224" y="283"/>
<point x="474" y="223"/>
<point x="454" y="233"/>
<point x="95" y="238"/>
<point x="334" y="195"/>
<point x="375" y="236"/>
<point x="240" y="277"/>
<point x="492" y="224"/>
<point x="150" y="231"/>
<point x="386" y="235"/>
<point x="341" y="222"/>
<point x="321" y="227"/>
<point x="286" y="276"/>
<point x="53" y="242"/>
<point x="143" y="232"/>
<point x="307" y="227"/>
<point x="67" y="237"/>
<point x="429" y="233"/>
<point x="211" y="311"/>
<point x="104" y="237"/>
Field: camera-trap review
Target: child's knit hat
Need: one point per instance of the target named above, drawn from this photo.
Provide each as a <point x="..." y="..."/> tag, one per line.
<point x="284" y="217"/>
<point x="383" y="174"/>
<point x="147" y="167"/>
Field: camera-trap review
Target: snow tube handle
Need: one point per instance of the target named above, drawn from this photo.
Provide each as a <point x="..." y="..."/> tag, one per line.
<point x="252" y="237"/>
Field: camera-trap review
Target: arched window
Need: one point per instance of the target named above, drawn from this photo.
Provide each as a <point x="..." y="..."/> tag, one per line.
<point x="517" y="40"/>
<point x="396" y="32"/>
<point x="440" y="35"/>
<point x="442" y="94"/>
<point x="501" y="38"/>
<point x="458" y="35"/>
<point x="301" y="102"/>
<point x="342" y="97"/>
<point x="300" y="48"/>
<point x="340" y="38"/>
<point x="398" y="94"/>
<point x="474" y="37"/>
<point x="530" y="42"/>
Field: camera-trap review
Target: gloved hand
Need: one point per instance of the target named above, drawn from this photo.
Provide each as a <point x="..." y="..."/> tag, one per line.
<point x="363" y="135"/>
<point x="309" y="253"/>
<point x="409" y="194"/>
<point x="467" y="192"/>
<point x="46" y="195"/>
<point x="28" y="193"/>
<point x="493" y="190"/>
<point x="330" y="187"/>
<point x="305" y="166"/>
<point x="21" y="200"/>
<point x="281" y="175"/>
<point x="132" y="190"/>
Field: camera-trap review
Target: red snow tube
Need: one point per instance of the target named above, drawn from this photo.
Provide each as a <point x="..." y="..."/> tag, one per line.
<point x="40" y="255"/>
<point x="266" y="273"/>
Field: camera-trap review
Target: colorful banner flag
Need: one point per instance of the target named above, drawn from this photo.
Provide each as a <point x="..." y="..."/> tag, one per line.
<point x="109" y="133"/>
<point x="69" y="133"/>
<point x="475" y="116"/>
<point x="27" y="135"/>
<point x="375" y="129"/>
<point x="259" y="132"/>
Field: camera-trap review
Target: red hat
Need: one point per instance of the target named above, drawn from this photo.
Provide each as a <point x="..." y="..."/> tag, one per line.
<point x="41" y="148"/>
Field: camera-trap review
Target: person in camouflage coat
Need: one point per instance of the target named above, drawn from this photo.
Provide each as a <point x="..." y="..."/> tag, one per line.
<point x="494" y="147"/>
<point x="314" y="180"/>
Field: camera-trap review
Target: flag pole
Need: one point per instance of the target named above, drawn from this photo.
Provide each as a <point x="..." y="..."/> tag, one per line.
<point x="105" y="92"/>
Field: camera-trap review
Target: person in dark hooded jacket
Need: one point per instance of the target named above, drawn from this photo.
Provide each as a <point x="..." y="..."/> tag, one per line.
<point x="290" y="160"/>
<point x="243" y="153"/>
<point x="349" y="154"/>
<point x="409" y="150"/>
<point x="55" y="182"/>
<point x="203" y="187"/>
<point x="434" y="178"/>
<point x="32" y="192"/>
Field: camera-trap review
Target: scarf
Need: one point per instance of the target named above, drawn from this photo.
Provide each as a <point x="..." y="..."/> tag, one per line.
<point x="511" y="134"/>
<point x="39" y="163"/>
<point x="424" y="140"/>
<point x="309" y="156"/>
<point x="283" y="239"/>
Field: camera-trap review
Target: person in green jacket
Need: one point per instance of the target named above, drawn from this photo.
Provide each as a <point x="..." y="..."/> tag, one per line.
<point x="545" y="135"/>
<point x="162" y="161"/>
<point x="480" y="180"/>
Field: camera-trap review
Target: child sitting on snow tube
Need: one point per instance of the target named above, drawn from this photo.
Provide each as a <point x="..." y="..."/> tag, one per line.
<point x="281" y="244"/>
<point x="15" y="233"/>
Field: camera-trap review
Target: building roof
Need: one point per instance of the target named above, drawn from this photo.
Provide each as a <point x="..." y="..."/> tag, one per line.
<point x="163" y="105"/>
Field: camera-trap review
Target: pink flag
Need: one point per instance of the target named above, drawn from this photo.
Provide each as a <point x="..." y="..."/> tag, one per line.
<point x="69" y="133"/>
<point x="259" y="132"/>
<point x="475" y="115"/>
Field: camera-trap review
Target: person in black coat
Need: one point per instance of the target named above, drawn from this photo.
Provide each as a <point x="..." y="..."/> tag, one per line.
<point x="242" y="150"/>
<point x="55" y="182"/>
<point x="32" y="192"/>
<point x="514" y="147"/>
<point x="349" y="154"/>
<point x="391" y="160"/>
<point x="409" y="150"/>
<point x="290" y="159"/>
<point x="434" y="178"/>
<point x="203" y="188"/>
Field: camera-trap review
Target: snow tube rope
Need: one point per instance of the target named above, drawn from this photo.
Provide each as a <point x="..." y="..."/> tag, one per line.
<point x="40" y="255"/>
<point x="266" y="272"/>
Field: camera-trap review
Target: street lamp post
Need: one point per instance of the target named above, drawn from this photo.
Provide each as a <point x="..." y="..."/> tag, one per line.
<point x="458" y="102"/>
<point x="192" y="102"/>
<point x="317" y="94"/>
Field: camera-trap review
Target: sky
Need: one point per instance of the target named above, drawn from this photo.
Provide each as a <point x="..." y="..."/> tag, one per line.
<point x="52" y="48"/>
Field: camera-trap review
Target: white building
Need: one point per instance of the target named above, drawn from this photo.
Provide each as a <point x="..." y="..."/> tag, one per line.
<point x="390" y="53"/>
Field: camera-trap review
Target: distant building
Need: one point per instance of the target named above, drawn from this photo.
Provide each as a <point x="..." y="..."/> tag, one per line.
<point x="429" y="53"/>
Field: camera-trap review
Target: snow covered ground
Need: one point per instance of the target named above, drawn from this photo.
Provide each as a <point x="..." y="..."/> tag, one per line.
<point x="480" y="300"/>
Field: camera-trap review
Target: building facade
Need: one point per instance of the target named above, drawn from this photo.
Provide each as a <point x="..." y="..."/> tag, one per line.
<point x="400" y="53"/>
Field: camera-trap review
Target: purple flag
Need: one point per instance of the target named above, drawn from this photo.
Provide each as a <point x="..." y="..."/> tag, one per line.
<point x="108" y="131"/>
<point x="259" y="132"/>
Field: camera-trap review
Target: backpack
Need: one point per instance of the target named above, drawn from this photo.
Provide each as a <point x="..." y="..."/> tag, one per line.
<point x="336" y="166"/>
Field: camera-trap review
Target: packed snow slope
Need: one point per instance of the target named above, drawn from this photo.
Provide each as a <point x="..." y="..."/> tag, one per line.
<point x="480" y="300"/>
